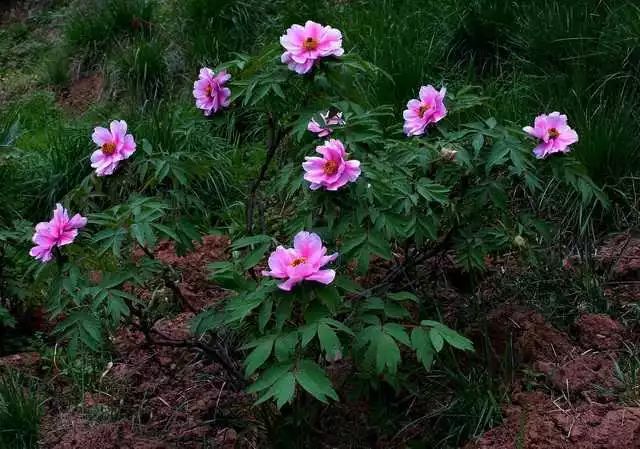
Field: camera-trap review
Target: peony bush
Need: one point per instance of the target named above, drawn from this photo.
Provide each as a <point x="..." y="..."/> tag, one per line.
<point x="387" y="189"/>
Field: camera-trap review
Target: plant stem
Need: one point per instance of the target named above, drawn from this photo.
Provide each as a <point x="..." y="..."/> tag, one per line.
<point x="273" y="142"/>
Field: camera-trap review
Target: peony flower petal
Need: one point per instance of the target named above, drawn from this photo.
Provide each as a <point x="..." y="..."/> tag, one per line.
<point x="323" y="276"/>
<point x="101" y="136"/>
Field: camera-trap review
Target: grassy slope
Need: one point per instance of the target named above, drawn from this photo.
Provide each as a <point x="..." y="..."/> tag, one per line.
<point x="528" y="57"/>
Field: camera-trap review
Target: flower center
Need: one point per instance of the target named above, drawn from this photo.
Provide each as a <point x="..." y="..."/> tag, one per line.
<point x="330" y="168"/>
<point x="298" y="261"/>
<point x="423" y="109"/>
<point x="109" y="148"/>
<point x="310" y="44"/>
<point x="553" y="133"/>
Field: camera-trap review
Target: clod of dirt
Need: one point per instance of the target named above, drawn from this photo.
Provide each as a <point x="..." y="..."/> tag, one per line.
<point x="531" y="336"/>
<point x="579" y="374"/>
<point x="226" y="439"/>
<point x="621" y="255"/>
<point x="78" y="433"/>
<point x="82" y="93"/>
<point x="24" y="361"/>
<point x="569" y="367"/>
<point x="161" y="396"/>
<point x="536" y="421"/>
<point x="600" y="332"/>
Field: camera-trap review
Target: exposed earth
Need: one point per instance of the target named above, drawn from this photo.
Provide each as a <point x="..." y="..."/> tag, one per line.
<point x="566" y="393"/>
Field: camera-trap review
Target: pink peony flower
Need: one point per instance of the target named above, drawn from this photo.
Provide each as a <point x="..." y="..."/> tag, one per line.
<point x="59" y="231"/>
<point x="420" y="113"/>
<point x="324" y="129"/>
<point x="303" y="262"/>
<point x="304" y="45"/>
<point x="209" y="91"/>
<point x="553" y="134"/>
<point x="332" y="170"/>
<point x="115" y="146"/>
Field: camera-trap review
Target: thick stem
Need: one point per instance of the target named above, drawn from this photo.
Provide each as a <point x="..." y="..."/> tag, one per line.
<point x="214" y="353"/>
<point x="275" y="137"/>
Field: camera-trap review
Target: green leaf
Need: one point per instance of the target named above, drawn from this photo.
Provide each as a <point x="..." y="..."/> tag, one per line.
<point x="347" y="284"/>
<point x="251" y="240"/>
<point x="285" y="388"/>
<point x="397" y="331"/>
<point x="337" y="325"/>
<point x="353" y="243"/>
<point x="431" y="191"/>
<point x="313" y="379"/>
<point x="329" y="297"/>
<point x="138" y="234"/>
<point x="285" y="346"/>
<point x="452" y="337"/>
<point x="255" y="256"/>
<point x="239" y="307"/>
<point x="395" y="310"/>
<point x="205" y="321"/>
<point x="307" y="333"/>
<point x="387" y="353"/>
<point x="497" y="156"/>
<point x="283" y="311"/>
<point x="477" y="142"/>
<point x="436" y="339"/>
<point x="269" y="377"/>
<point x="491" y="122"/>
<point x="146" y="147"/>
<point x="117" y="308"/>
<point x="167" y="231"/>
<point x="113" y="280"/>
<point x="422" y="344"/>
<point x="265" y="314"/>
<point x="329" y="341"/>
<point x="282" y="390"/>
<point x="373" y="303"/>
<point x="6" y="319"/>
<point x="403" y="296"/>
<point x="379" y="245"/>
<point x="258" y="356"/>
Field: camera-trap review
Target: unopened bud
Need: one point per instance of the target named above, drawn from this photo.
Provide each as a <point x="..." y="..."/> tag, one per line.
<point x="336" y="356"/>
<point x="448" y="154"/>
<point x="519" y="241"/>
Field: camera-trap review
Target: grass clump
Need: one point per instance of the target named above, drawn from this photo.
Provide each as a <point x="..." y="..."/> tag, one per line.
<point x="20" y="412"/>
<point x="96" y="23"/>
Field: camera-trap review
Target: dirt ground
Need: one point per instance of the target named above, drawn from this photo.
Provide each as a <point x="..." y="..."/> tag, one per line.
<point x="156" y="396"/>
<point x="566" y="393"/>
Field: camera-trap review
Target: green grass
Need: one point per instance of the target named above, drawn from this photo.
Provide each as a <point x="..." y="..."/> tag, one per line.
<point x="20" y="412"/>
<point x="96" y="23"/>
<point x="627" y="371"/>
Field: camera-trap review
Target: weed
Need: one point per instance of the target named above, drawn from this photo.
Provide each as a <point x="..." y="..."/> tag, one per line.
<point x="627" y="371"/>
<point x="97" y="23"/>
<point x="20" y="412"/>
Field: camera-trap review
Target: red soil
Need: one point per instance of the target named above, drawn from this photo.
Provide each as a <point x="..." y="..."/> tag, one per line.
<point x="576" y="414"/>
<point x="621" y="256"/>
<point x="162" y="397"/>
<point x="536" y="421"/>
<point x="82" y="93"/>
<point x="194" y="284"/>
